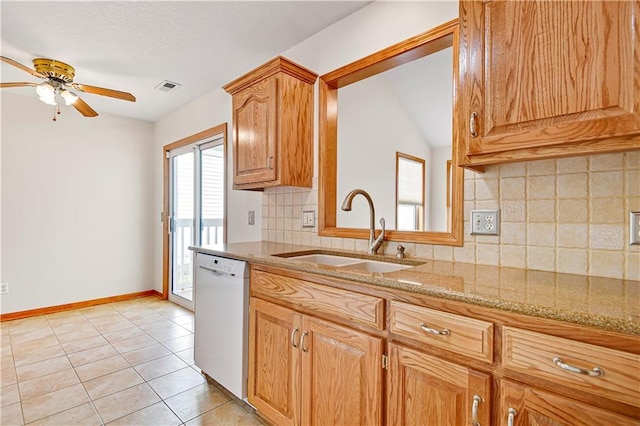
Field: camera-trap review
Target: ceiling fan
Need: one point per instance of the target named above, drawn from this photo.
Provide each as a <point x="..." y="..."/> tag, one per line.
<point x="58" y="78"/>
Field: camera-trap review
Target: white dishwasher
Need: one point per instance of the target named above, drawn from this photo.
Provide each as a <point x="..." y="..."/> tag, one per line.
<point x="221" y="334"/>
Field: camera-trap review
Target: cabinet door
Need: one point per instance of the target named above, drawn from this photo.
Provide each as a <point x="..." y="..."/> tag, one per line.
<point x="255" y="137"/>
<point x="341" y="375"/>
<point x="274" y="362"/>
<point x="424" y="390"/>
<point x="540" y="73"/>
<point x="533" y="407"/>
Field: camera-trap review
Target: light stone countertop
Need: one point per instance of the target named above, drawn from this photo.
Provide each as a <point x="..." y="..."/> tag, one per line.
<point x="604" y="303"/>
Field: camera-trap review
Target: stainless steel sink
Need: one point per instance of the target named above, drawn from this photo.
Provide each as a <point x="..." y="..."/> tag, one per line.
<point x="374" y="266"/>
<point x="325" y="259"/>
<point x="354" y="264"/>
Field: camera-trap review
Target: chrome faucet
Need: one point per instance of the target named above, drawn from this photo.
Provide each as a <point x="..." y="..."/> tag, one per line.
<point x="374" y="243"/>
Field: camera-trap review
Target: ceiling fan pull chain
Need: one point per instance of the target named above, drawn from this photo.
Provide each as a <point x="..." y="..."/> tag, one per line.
<point x="54" y="114"/>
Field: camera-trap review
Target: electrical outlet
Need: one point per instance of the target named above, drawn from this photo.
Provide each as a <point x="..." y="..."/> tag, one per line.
<point x="308" y="218"/>
<point x="252" y="217"/>
<point x="485" y="222"/>
<point x="634" y="228"/>
<point x="4" y="288"/>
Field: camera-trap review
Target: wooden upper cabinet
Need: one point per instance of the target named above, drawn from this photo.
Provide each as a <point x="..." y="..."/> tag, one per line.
<point x="273" y="126"/>
<point x="254" y="117"/>
<point x="544" y="79"/>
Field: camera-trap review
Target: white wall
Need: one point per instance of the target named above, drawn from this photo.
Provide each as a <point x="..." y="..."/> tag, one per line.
<point x="368" y="30"/>
<point x="76" y="205"/>
<point x="372" y="125"/>
<point x="208" y="111"/>
<point x="438" y="196"/>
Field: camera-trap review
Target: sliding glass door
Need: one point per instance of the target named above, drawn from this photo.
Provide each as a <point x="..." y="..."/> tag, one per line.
<point x="197" y="210"/>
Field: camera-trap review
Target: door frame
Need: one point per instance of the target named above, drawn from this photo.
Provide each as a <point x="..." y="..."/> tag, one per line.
<point x="219" y="130"/>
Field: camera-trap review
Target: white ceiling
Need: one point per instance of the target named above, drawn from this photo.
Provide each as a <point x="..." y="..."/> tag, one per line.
<point x="424" y="87"/>
<point x="134" y="46"/>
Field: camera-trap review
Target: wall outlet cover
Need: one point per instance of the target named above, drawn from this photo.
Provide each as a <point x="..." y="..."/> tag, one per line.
<point x="4" y="288"/>
<point x="252" y="217"/>
<point x="634" y="228"/>
<point x="485" y="222"/>
<point x="308" y="218"/>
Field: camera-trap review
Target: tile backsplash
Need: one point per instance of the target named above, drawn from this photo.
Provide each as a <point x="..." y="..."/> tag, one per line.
<point x="566" y="215"/>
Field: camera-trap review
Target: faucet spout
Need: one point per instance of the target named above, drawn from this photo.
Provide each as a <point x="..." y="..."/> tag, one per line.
<point x="374" y="243"/>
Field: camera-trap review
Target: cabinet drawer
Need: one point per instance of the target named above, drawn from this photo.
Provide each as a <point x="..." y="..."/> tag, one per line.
<point x="336" y="302"/>
<point x="544" y="356"/>
<point x="456" y="333"/>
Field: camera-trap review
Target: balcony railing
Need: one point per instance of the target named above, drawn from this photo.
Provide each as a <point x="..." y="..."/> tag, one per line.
<point x="211" y="233"/>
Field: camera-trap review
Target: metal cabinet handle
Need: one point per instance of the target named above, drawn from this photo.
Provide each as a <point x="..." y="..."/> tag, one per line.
<point x="304" y="334"/>
<point x="472" y="125"/>
<point x="512" y="416"/>
<point x="293" y="337"/>
<point x="269" y="165"/>
<point x="474" y="410"/>
<point x="595" y="372"/>
<point x="215" y="271"/>
<point x="443" y="332"/>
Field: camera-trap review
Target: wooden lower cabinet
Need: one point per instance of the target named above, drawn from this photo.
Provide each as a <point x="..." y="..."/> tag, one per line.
<point x="274" y="363"/>
<point x="341" y="375"/>
<point x="525" y="405"/>
<point x="307" y="371"/>
<point x="489" y="369"/>
<point x="424" y="390"/>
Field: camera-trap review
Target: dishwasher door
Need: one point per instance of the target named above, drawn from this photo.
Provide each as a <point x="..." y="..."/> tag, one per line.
<point x="221" y="334"/>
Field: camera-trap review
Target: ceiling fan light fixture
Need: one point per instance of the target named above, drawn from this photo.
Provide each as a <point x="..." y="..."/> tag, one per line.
<point x="58" y="76"/>
<point x="48" y="100"/>
<point x="45" y="90"/>
<point x="69" y="97"/>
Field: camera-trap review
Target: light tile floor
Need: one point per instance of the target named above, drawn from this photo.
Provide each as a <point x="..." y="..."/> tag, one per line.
<point x="123" y="363"/>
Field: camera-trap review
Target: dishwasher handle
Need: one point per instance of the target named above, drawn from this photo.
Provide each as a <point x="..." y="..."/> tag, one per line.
<point x="215" y="271"/>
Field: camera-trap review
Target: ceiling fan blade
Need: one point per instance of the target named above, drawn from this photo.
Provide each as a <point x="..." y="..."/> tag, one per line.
<point x="24" y="83"/>
<point x="84" y="109"/>
<point x="104" y="92"/>
<point x="22" y="67"/>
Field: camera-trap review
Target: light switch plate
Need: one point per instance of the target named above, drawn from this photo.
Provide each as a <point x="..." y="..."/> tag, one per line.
<point x="308" y="218"/>
<point x="485" y="222"/>
<point x="634" y="228"/>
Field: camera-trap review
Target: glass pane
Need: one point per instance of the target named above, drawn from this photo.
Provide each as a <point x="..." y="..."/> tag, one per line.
<point x="410" y="181"/>
<point x="407" y="217"/>
<point x="183" y="220"/>
<point x="212" y="195"/>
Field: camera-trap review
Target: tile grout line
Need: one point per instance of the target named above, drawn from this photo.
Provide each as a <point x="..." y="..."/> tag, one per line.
<point x="121" y="313"/>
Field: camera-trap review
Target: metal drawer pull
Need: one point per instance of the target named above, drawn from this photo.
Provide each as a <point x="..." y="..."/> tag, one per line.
<point x="512" y="416"/>
<point x="595" y="372"/>
<point x="269" y="166"/>
<point x="472" y="125"/>
<point x="304" y="334"/>
<point x="293" y="337"/>
<point x="443" y="332"/>
<point x="474" y="410"/>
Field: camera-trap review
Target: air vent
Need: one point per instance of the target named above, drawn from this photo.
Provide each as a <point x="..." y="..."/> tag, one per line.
<point x="167" y="86"/>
